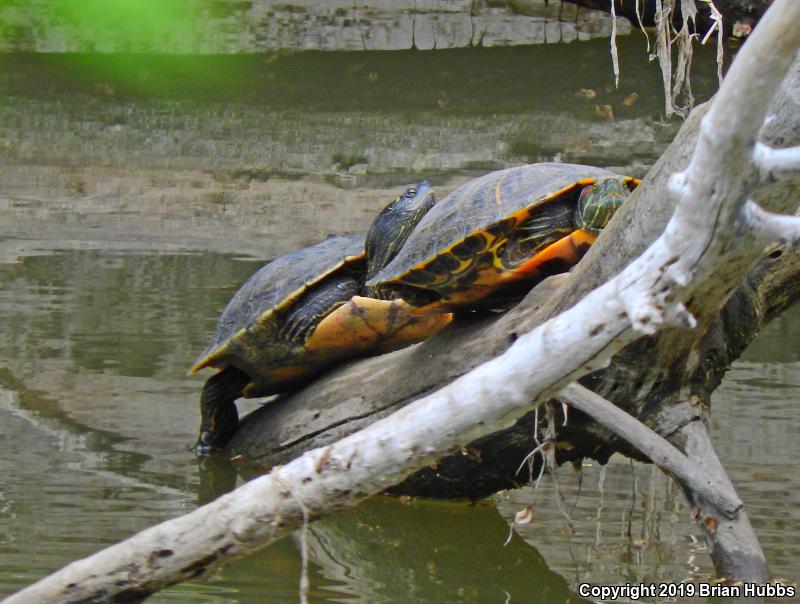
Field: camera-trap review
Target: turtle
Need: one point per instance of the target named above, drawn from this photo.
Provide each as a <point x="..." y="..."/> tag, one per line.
<point x="493" y="238"/>
<point x="302" y="313"/>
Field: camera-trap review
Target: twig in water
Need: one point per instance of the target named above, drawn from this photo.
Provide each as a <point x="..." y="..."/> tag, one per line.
<point x="614" y="54"/>
<point x="634" y="488"/>
<point x="304" y="582"/>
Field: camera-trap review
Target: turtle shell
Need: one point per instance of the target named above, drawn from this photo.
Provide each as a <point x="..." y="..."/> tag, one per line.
<point x="463" y="247"/>
<point x="254" y="323"/>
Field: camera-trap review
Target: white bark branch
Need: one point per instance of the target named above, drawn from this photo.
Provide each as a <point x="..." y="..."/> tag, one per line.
<point x="774" y="164"/>
<point x="646" y="295"/>
<point x="771" y="227"/>
<point x="660" y="452"/>
<point x="733" y="546"/>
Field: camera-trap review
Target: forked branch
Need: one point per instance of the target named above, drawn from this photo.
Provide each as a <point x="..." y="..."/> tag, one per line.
<point x="770" y="227"/>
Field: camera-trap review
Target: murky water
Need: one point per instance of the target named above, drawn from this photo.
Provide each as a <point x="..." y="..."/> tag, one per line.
<point x="96" y="417"/>
<point x="108" y="293"/>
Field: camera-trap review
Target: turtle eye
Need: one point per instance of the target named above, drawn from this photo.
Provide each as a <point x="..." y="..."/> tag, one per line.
<point x="411" y="192"/>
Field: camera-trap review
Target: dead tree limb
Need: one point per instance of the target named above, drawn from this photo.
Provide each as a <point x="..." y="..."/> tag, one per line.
<point x="733" y="546"/>
<point x="720" y="494"/>
<point x="708" y="231"/>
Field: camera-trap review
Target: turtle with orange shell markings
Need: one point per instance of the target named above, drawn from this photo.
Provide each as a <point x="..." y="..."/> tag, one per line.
<point x="492" y="239"/>
<point x="302" y="313"/>
<point x="484" y="245"/>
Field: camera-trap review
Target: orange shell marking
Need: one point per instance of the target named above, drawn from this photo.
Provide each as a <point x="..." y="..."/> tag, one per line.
<point x="567" y="249"/>
<point x="368" y="324"/>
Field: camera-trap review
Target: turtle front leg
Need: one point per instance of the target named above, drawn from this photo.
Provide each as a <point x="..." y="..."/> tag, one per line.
<point x="218" y="415"/>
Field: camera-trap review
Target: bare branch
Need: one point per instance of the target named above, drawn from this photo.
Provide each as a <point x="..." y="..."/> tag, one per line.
<point x="660" y="452"/>
<point x="774" y="164"/>
<point x="771" y="227"/>
<point x="732" y="544"/>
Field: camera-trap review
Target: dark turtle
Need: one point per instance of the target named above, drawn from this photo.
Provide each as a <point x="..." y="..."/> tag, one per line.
<point x="298" y="315"/>
<point x="495" y="237"/>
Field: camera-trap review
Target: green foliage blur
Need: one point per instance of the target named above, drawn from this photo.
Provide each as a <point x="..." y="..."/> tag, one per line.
<point x="137" y="24"/>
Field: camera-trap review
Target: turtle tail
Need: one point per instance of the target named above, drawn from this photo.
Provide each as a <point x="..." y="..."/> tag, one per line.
<point x="218" y="415"/>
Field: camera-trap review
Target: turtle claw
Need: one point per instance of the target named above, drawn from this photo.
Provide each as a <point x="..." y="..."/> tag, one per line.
<point x="202" y="448"/>
<point x="208" y="444"/>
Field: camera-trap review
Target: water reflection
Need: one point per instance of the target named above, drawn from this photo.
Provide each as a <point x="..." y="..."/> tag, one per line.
<point x="95" y="411"/>
<point x="624" y="522"/>
<point x="96" y="310"/>
<point x="102" y="339"/>
<point x="391" y="551"/>
<point x="388" y="550"/>
<point x="756" y="430"/>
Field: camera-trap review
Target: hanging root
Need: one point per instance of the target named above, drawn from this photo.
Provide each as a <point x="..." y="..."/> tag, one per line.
<point x="684" y="38"/>
<point x="546" y="448"/>
<point x="550" y="437"/>
<point x="641" y="26"/>
<point x="614" y="54"/>
<point x="677" y="85"/>
<point x="716" y="18"/>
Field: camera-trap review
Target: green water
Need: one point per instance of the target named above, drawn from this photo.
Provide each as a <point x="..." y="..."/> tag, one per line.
<point x="459" y="81"/>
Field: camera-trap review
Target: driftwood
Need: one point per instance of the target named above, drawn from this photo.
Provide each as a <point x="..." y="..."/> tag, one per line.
<point x="711" y="242"/>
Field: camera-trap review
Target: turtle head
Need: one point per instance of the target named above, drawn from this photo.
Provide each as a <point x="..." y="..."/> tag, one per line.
<point x="598" y="202"/>
<point x="394" y="224"/>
